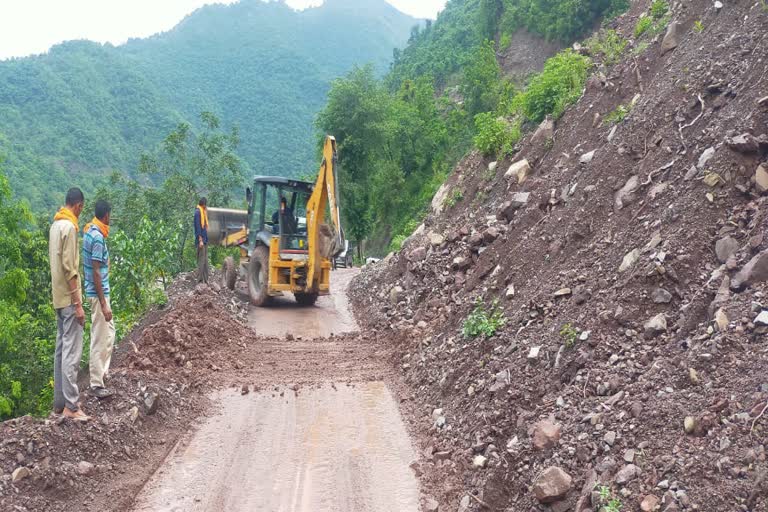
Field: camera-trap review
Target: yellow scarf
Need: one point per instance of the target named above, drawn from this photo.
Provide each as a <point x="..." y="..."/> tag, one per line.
<point x="65" y="213"/>
<point x="104" y="228"/>
<point x="203" y="217"/>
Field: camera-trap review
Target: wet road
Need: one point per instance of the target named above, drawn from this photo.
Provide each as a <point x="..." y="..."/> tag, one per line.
<point x="318" y="447"/>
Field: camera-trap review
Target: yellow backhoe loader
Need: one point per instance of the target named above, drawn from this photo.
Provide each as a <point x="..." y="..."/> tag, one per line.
<point x="287" y="237"/>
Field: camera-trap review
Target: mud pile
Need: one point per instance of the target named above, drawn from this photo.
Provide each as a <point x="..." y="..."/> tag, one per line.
<point x="160" y="375"/>
<point x="628" y="260"/>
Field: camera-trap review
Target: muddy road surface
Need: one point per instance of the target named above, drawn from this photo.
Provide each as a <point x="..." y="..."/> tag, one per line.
<point x="324" y="435"/>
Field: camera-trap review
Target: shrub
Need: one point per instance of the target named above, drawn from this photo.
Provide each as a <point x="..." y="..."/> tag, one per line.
<point x="483" y="321"/>
<point x="643" y="25"/>
<point x="556" y="87"/>
<point x="496" y="136"/>
<point x="569" y="335"/>
<point x="659" y="9"/>
<point x="698" y="27"/>
<point x="608" y="44"/>
<point x="457" y="196"/>
<point x="618" y="115"/>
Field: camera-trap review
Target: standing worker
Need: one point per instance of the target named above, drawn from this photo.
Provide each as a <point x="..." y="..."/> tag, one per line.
<point x="68" y="303"/>
<point x="96" y="266"/>
<point x="201" y="238"/>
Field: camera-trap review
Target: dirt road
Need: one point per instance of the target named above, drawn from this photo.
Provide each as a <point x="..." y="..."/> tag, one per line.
<point x="331" y="440"/>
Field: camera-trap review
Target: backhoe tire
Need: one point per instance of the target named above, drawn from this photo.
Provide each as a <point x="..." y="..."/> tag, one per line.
<point x="258" y="276"/>
<point x="228" y="273"/>
<point x="306" y="299"/>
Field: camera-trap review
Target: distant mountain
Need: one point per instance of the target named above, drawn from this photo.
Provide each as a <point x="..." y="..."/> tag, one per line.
<point x="83" y="109"/>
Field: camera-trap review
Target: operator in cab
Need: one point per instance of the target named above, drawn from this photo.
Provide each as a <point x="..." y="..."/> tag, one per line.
<point x="284" y="213"/>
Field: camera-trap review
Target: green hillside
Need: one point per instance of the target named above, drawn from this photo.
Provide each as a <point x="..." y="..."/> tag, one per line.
<point x="85" y="109"/>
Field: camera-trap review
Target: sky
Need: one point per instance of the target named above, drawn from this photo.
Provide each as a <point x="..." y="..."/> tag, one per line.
<point x="30" y="27"/>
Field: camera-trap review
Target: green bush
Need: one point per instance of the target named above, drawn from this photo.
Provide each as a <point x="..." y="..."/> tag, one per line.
<point x="608" y="45"/>
<point x="455" y="198"/>
<point x="559" y="85"/>
<point x="496" y="136"/>
<point x="618" y="115"/>
<point x="483" y="321"/>
<point x="569" y="335"/>
<point x="659" y="9"/>
<point x="643" y="25"/>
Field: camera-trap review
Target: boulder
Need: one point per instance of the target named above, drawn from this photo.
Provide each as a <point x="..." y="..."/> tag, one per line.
<point x="661" y="296"/>
<point x="649" y="503"/>
<point x="489" y="235"/>
<point x="395" y="294"/>
<point x="627" y="474"/>
<point x="552" y="485"/>
<point x="671" y="38"/>
<point x="744" y="143"/>
<point x="492" y="166"/>
<point x="761" y="178"/>
<point x="20" y="474"/>
<point x="476" y="239"/>
<point x="546" y="435"/>
<point x="435" y="238"/>
<point x="84" y="468"/>
<point x="705" y="156"/>
<point x="517" y="201"/>
<point x="626" y="194"/>
<point x="461" y="263"/>
<point x="629" y="260"/>
<point x="418" y="254"/>
<point x="518" y="170"/>
<point x="755" y="271"/>
<point x="439" y="198"/>
<point x="545" y="132"/>
<point x="725" y="247"/>
<point x="587" y="157"/>
<point x="655" y="326"/>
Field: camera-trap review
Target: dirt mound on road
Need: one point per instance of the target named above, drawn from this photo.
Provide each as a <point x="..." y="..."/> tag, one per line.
<point x="627" y="264"/>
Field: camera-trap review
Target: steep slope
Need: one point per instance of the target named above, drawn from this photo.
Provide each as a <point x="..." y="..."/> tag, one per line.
<point x="84" y="109"/>
<point x="628" y="263"/>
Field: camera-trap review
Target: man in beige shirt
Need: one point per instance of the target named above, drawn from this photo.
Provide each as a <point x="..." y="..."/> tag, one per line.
<point x="68" y="303"/>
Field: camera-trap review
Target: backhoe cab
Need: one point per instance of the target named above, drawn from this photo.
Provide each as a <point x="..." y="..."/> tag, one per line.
<point x="285" y="247"/>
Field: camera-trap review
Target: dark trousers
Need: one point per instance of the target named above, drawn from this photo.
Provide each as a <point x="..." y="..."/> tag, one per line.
<point x="202" y="264"/>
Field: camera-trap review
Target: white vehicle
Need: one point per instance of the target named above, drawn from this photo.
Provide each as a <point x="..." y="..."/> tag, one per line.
<point x="344" y="259"/>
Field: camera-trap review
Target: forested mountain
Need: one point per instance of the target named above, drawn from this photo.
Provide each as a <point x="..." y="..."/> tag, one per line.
<point x="85" y="109"/>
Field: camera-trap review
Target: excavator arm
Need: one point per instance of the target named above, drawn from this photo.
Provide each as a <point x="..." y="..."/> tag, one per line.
<point x="325" y="237"/>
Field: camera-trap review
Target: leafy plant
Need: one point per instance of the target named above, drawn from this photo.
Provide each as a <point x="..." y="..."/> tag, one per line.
<point x="454" y="199"/>
<point x="569" y="335"/>
<point x="698" y="27"/>
<point x="556" y="87"/>
<point x="496" y="136"/>
<point x="643" y="25"/>
<point x="609" y="503"/>
<point x="659" y="9"/>
<point x="617" y="115"/>
<point x="608" y="44"/>
<point x="483" y="321"/>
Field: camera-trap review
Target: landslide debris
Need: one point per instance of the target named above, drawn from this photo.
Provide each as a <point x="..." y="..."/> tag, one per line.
<point x="631" y="264"/>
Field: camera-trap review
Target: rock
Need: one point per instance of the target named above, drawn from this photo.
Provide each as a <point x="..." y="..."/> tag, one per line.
<point x="761" y="178"/>
<point x="461" y="263"/>
<point x="439" y="198"/>
<point x="693" y="376"/>
<point x="755" y="271"/>
<point x="563" y="292"/>
<point x="492" y="166"/>
<point x="435" y="238"/>
<point x="587" y="157"/>
<point x="463" y="504"/>
<point x="661" y="296"/>
<point x="705" y="157"/>
<point x="744" y="143"/>
<point x="629" y="260"/>
<point x="489" y="235"/>
<point x="476" y="239"/>
<point x="84" y="468"/>
<point x="610" y="438"/>
<point x="655" y="326"/>
<point x="670" y="40"/>
<point x="133" y="414"/>
<point x="20" y="474"/>
<point x="244" y="390"/>
<point x="718" y="5"/>
<point x="431" y="505"/>
<point x="545" y="132"/>
<point x="395" y="294"/>
<point x="552" y="485"/>
<point x="546" y="435"/>
<point x="418" y="254"/>
<point x="649" y="503"/>
<point x="629" y="455"/>
<point x="626" y="194"/>
<point x="725" y="247"/>
<point x="636" y="409"/>
<point x="508" y="208"/>
<point x="510" y="291"/>
<point x="519" y="170"/>
<point x="479" y="461"/>
<point x="689" y="424"/>
<point x="533" y="354"/>
<point x="627" y="474"/>
<point x="762" y="318"/>
<point x="151" y="402"/>
<point x="721" y="320"/>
